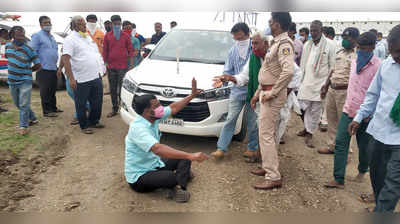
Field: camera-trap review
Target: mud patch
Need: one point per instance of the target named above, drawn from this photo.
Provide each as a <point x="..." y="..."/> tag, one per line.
<point x="18" y="172"/>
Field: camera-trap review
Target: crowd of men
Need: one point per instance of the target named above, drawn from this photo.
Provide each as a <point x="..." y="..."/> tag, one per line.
<point x="351" y="87"/>
<point x="116" y="52"/>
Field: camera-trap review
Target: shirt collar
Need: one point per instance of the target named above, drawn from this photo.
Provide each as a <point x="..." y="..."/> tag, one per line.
<point x="46" y="33"/>
<point x="144" y="121"/>
<point x="280" y="37"/>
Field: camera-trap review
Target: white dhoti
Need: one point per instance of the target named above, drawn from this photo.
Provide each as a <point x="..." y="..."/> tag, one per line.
<point x="312" y="114"/>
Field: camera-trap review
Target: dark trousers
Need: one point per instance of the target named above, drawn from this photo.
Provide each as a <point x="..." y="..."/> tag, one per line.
<point x="92" y="92"/>
<point x="342" y="147"/>
<point x="47" y="81"/>
<point x="115" y="77"/>
<point x="175" y="172"/>
<point x="385" y="174"/>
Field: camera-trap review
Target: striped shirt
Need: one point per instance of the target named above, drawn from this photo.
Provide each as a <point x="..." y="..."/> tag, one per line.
<point x="19" y="63"/>
<point x="233" y="66"/>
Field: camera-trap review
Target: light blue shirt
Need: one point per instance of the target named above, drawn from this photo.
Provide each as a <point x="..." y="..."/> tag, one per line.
<point x="234" y="66"/>
<point x="378" y="103"/>
<point x="46" y="47"/>
<point x="380" y="51"/>
<point x="142" y="135"/>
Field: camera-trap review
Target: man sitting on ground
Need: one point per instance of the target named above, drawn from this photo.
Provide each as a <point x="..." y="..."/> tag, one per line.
<point x="150" y="165"/>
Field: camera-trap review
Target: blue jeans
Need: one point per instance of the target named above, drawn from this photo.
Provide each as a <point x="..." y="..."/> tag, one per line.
<point x="70" y="92"/>
<point x="21" y="94"/>
<point x="235" y="107"/>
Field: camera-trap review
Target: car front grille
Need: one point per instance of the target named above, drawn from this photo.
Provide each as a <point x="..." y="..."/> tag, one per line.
<point x="193" y="112"/>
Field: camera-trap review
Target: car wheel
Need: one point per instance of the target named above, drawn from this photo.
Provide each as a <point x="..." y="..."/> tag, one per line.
<point x="243" y="131"/>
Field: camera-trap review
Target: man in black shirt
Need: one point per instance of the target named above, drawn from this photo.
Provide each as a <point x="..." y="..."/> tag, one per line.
<point x="158" y="35"/>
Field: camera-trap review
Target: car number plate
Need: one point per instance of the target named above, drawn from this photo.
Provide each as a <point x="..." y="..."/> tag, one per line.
<point x="174" y="122"/>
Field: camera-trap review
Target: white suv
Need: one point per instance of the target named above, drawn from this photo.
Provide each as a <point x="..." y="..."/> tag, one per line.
<point x="167" y="73"/>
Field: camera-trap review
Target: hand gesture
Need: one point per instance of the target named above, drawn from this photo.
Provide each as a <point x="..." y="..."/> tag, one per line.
<point x="254" y="101"/>
<point x="324" y="90"/>
<point x="59" y="73"/>
<point x="195" y="91"/>
<point x="266" y="97"/>
<point x="353" y="127"/>
<point x="198" y="157"/>
<point x="217" y="82"/>
<point x="72" y="84"/>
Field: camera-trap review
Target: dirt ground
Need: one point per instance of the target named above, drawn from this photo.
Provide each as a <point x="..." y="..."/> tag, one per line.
<point x="71" y="171"/>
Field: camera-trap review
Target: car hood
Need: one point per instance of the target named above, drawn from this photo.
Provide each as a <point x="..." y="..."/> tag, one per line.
<point x="164" y="73"/>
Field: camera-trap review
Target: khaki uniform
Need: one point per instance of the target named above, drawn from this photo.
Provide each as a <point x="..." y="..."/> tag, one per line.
<point x="337" y="97"/>
<point x="277" y="70"/>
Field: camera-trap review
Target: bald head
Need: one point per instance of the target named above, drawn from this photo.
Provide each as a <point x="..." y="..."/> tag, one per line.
<point x="78" y="24"/>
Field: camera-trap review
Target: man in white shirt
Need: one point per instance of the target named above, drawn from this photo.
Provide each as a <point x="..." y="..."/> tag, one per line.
<point x="317" y="59"/>
<point x="83" y="66"/>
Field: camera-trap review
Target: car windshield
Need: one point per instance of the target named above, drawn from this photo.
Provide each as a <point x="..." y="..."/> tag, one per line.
<point x="202" y="46"/>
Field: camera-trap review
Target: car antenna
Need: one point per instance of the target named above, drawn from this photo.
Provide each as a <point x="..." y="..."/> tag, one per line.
<point x="177" y="60"/>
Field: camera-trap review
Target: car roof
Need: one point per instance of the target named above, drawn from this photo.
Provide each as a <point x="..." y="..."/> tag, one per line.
<point x="214" y="27"/>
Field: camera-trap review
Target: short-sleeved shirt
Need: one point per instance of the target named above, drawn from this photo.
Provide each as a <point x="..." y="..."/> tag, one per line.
<point x="142" y="136"/>
<point x="136" y="46"/>
<point x="155" y="38"/>
<point x="46" y="47"/>
<point x="341" y="70"/>
<point x="277" y="69"/>
<point x="19" y="64"/>
<point x="86" y="61"/>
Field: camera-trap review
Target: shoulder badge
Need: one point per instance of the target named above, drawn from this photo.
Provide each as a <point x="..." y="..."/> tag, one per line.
<point x="286" y="51"/>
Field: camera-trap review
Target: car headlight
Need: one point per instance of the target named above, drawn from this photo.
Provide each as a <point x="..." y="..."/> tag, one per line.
<point x="129" y="85"/>
<point x="216" y="94"/>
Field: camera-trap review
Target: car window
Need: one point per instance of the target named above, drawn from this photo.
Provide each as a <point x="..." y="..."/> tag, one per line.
<point x="198" y="46"/>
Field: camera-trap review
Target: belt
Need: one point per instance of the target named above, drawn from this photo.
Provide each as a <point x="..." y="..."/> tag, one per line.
<point x="339" y="86"/>
<point x="266" y="87"/>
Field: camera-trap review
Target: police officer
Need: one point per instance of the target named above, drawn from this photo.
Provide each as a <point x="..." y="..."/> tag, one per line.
<point x="274" y="77"/>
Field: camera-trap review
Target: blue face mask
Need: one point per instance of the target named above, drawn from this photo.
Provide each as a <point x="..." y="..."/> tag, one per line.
<point x="363" y="57"/>
<point x="117" y="31"/>
<point x="18" y="43"/>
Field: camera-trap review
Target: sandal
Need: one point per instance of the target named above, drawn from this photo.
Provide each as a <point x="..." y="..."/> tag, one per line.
<point x="31" y="123"/>
<point x="366" y="198"/>
<point x="74" y="122"/>
<point x="112" y="114"/>
<point x="87" y="131"/>
<point x="370" y="210"/>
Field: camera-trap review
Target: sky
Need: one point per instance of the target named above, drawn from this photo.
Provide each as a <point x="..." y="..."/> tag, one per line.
<point x="145" y="20"/>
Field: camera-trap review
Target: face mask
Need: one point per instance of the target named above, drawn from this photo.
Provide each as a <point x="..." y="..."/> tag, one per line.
<point x="108" y="29"/>
<point x="18" y="43"/>
<point x="346" y="44"/>
<point x="302" y="38"/>
<point x="243" y="47"/>
<point x="363" y="57"/>
<point x="91" y="27"/>
<point x="134" y="32"/>
<point x="46" y="28"/>
<point x="159" y="112"/>
<point x="128" y="31"/>
<point x="259" y="53"/>
<point x="117" y="31"/>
